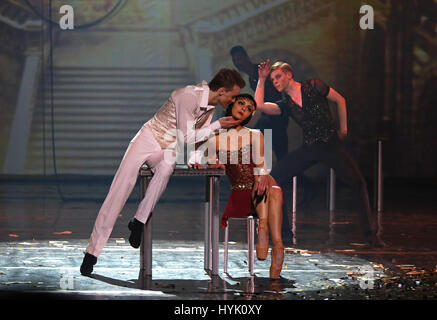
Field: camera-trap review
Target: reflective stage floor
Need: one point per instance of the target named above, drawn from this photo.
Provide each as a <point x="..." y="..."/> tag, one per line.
<point x="45" y="226"/>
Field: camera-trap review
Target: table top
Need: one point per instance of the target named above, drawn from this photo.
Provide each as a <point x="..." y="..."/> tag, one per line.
<point x="183" y="170"/>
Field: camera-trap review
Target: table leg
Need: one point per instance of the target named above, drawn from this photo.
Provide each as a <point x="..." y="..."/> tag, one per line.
<point x="225" y="255"/>
<point x="251" y="244"/>
<point x="214" y="208"/>
<point x="208" y="221"/>
<point x="146" y="240"/>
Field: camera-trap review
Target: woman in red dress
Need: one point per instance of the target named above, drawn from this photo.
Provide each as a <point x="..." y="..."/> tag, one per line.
<point x="240" y="151"/>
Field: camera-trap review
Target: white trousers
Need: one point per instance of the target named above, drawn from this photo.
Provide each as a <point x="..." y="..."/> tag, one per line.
<point x="142" y="148"/>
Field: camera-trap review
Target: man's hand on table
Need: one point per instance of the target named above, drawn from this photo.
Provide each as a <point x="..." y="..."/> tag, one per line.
<point x="210" y="166"/>
<point x="196" y="166"/>
<point x="217" y="166"/>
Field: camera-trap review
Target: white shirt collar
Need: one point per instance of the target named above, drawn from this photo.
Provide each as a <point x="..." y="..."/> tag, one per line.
<point x="205" y="94"/>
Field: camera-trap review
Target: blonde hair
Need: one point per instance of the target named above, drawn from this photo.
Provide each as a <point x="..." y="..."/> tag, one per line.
<point x="285" y="67"/>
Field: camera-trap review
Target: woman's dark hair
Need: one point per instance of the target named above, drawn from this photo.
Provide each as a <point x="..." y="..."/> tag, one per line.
<point x="244" y="96"/>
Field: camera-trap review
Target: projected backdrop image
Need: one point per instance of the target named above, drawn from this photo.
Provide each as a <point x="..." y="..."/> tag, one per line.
<point x="72" y="99"/>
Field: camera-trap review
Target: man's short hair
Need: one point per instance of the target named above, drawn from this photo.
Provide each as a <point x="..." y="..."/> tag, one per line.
<point x="237" y="49"/>
<point x="285" y="67"/>
<point x="226" y="78"/>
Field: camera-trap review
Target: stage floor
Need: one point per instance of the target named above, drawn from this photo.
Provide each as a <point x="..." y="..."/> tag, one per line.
<point x="43" y="237"/>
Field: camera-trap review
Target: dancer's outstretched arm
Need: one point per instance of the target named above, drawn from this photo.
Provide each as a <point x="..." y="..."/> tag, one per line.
<point x="261" y="105"/>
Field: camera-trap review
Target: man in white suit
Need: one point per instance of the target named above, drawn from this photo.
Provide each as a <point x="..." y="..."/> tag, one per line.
<point x="185" y="115"/>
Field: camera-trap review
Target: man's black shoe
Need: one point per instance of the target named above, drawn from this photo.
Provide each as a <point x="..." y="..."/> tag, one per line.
<point x="87" y="265"/>
<point x="136" y="227"/>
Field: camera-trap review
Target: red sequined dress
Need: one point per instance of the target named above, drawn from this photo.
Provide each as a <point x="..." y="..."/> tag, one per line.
<point x="242" y="179"/>
<point x="240" y="152"/>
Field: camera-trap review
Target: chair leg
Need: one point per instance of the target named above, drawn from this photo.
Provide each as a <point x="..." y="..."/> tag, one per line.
<point x="225" y="262"/>
<point x="251" y="243"/>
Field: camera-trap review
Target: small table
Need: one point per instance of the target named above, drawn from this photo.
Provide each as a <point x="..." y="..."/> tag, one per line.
<point x="212" y="216"/>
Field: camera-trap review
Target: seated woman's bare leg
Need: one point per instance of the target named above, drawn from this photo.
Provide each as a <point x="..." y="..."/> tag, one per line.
<point x="262" y="244"/>
<point x="275" y="223"/>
